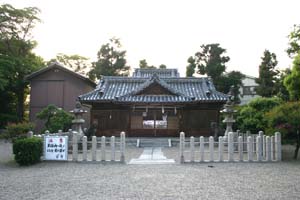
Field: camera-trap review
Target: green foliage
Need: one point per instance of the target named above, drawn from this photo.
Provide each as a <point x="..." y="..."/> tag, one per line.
<point x="292" y="81"/>
<point x="294" y="41"/>
<point x="251" y="116"/>
<point x="111" y="61"/>
<point x="28" y="151"/>
<point x="230" y="80"/>
<point x="55" y="118"/>
<point x="282" y="91"/>
<point x="16" y="57"/>
<point x="19" y="129"/>
<point x="190" y="69"/>
<point x="267" y="75"/>
<point x="144" y="65"/>
<point x="285" y="118"/>
<point x="211" y="61"/>
<point x="162" y="66"/>
<point x="76" y="62"/>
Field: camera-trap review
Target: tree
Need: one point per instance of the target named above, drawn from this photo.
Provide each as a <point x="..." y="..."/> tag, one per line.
<point x="250" y="117"/>
<point x="56" y="118"/>
<point x="190" y="69"/>
<point x="210" y="60"/>
<point x="294" y="41"/>
<point x="286" y="119"/>
<point x="162" y="66"/>
<point x="267" y="75"/>
<point x="76" y="62"/>
<point x="111" y="61"/>
<point x="232" y="79"/>
<point x="144" y="65"/>
<point x="279" y="85"/>
<point x="292" y="81"/>
<point x="16" y="57"/>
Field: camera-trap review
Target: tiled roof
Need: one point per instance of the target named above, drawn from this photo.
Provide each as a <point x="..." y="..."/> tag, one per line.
<point x="129" y="90"/>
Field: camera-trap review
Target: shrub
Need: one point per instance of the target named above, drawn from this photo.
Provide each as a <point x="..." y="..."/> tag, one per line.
<point x="250" y="117"/>
<point x="28" y="151"/>
<point x="55" y="118"/>
<point x="16" y="130"/>
<point x="286" y="119"/>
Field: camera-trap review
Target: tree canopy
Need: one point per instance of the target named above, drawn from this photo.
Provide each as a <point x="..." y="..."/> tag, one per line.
<point x="267" y="75"/>
<point x="77" y="63"/>
<point x="292" y="81"/>
<point x="144" y="65"/>
<point x="294" y="41"/>
<point x="111" y="61"/>
<point x="16" y="57"/>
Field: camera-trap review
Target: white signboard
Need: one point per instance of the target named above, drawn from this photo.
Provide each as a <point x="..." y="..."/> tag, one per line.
<point x="56" y="148"/>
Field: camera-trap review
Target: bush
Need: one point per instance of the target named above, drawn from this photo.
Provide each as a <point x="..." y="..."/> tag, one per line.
<point x="56" y="119"/>
<point x="28" y="151"/>
<point x="251" y="117"/>
<point x="16" y="130"/>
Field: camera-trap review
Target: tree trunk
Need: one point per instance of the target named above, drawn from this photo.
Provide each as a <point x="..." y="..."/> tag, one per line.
<point x="297" y="145"/>
<point x="20" y="104"/>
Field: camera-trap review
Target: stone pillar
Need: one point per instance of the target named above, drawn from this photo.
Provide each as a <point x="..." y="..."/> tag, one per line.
<point x="192" y="148"/>
<point x="250" y="148"/>
<point x="230" y="147"/>
<point x="211" y="149"/>
<point x="103" y="148"/>
<point x="268" y="149"/>
<point x="113" y="150"/>
<point x="221" y="149"/>
<point x="278" y="146"/>
<point x="261" y="134"/>
<point x="272" y="147"/>
<point x="122" y="147"/>
<point x="181" y="146"/>
<point x="240" y="148"/>
<point x="264" y="146"/>
<point x="30" y="134"/>
<point x="75" y="148"/>
<point x="259" y="148"/>
<point x="84" y="148"/>
<point x="94" y="148"/>
<point x="201" y="149"/>
<point x="47" y="132"/>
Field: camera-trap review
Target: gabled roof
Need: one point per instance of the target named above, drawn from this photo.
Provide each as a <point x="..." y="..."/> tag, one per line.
<point x="130" y="90"/>
<point x="56" y="65"/>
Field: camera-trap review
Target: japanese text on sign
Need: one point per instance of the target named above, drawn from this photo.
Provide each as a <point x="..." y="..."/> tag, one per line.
<point x="56" y="147"/>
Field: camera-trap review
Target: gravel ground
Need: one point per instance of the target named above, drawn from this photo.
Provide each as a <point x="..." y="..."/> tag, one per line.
<point x="69" y="180"/>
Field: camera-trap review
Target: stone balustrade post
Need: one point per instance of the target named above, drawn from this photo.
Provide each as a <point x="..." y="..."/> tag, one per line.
<point x="113" y="148"/>
<point x="192" y="148"/>
<point x="268" y="149"/>
<point x="211" y="149"/>
<point x="122" y="147"/>
<point x="201" y="149"/>
<point x="272" y="147"/>
<point x="75" y="148"/>
<point x="94" y="148"/>
<point x="221" y="149"/>
<point x="84" y="148"/>
<point x="30" y="134"/>
<point x="278" y="146"/>
<point x="250" y="148"/>
<point x="47" y="133"/>
<point x="264" y="141"/>
<point x="182" y="146"/>
<point x="230" y="147"/>
<point x="259" y="148"/>
<point x="103" y="145"/>
<point x="240" y="148"/>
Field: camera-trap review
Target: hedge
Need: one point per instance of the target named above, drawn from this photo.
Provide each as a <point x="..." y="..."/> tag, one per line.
<point x="28" y="151"/>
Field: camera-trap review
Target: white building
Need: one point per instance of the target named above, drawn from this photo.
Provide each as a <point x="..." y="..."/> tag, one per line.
<point x="247" y="91"/>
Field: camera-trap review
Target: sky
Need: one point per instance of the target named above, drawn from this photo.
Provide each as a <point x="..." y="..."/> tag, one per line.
<point x="167" y="31"/>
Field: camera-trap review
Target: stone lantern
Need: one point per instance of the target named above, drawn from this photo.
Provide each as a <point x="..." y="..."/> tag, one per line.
<point x="229" y="111"/>
<point x="78" y="121"/>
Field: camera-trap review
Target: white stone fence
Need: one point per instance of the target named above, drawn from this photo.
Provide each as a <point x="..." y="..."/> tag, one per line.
<point x="107" y="151"/>
<point x="258" y="149"/>
<point x="99" y="149"/>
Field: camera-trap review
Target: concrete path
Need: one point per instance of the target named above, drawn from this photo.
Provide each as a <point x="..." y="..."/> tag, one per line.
<point x="152" y="155"/>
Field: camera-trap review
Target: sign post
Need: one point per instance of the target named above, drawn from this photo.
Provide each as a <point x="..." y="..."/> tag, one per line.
<point x="56" y="148"/>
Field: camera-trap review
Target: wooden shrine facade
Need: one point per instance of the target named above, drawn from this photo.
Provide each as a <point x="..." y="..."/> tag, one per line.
<point x="154" y="102"/>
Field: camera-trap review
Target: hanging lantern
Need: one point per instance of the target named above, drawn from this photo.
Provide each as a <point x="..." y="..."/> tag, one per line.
<point x="175" y="110"/>
<point x="162" y="110"/>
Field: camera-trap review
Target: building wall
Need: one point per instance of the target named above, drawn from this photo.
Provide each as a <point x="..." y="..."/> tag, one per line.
<point x="59" y="88"/>
<point x="247" y="91"/>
